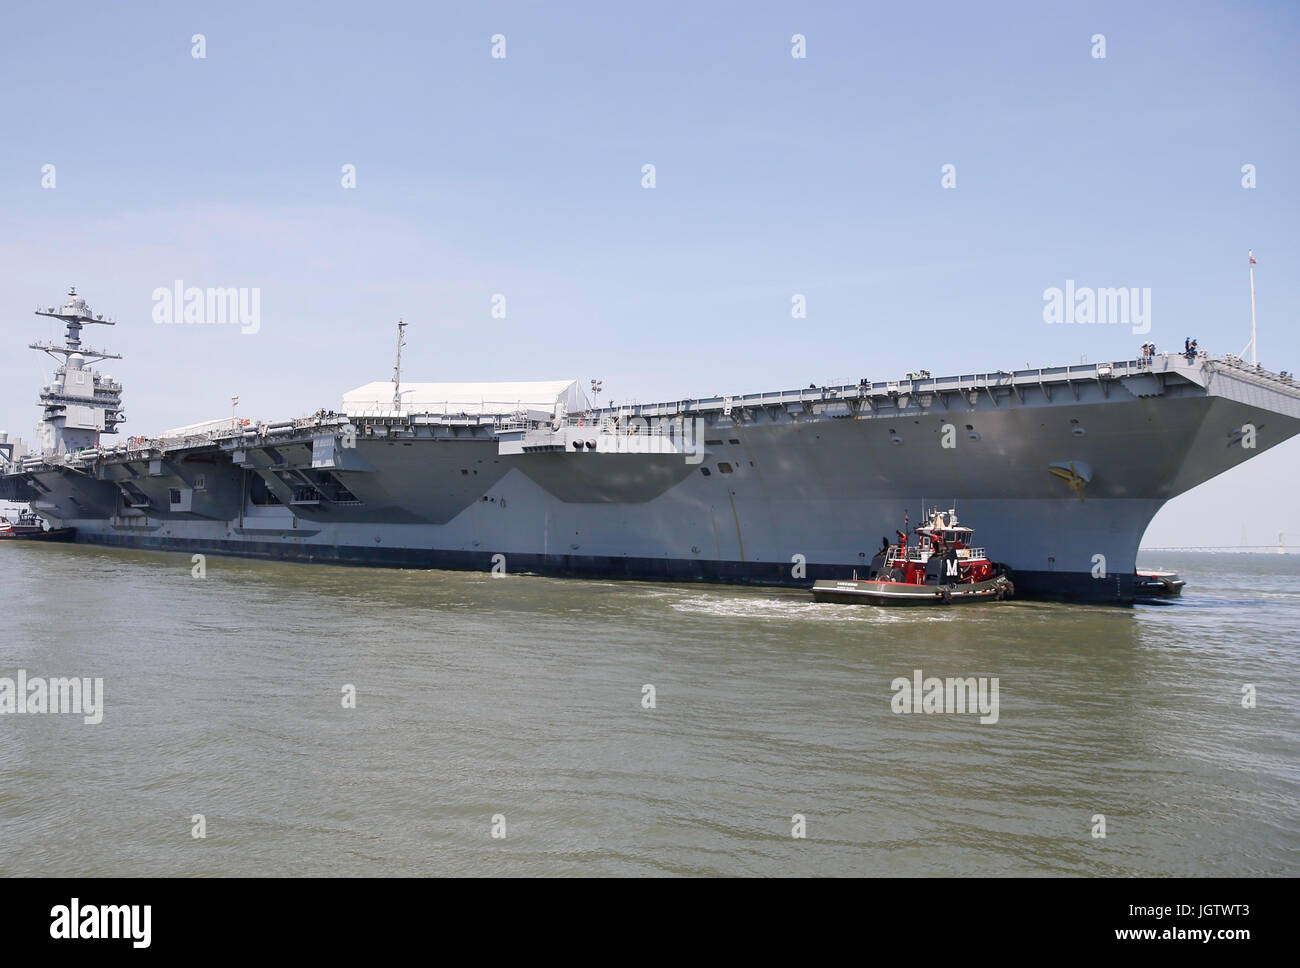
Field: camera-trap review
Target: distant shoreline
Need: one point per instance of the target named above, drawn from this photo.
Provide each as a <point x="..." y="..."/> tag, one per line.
<point x="1217" y="551"/>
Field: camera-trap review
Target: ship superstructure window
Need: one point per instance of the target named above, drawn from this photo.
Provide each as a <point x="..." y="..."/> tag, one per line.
<point x="724" y="467"/>
<point x="175" y="495"/>
<point x="200" y="482"/>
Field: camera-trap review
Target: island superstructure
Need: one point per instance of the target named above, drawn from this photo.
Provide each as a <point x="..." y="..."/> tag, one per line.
<point x="1067" y="465"/>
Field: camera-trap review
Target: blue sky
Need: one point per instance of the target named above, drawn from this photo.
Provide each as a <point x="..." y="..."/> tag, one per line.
<point x="774" y="176"/>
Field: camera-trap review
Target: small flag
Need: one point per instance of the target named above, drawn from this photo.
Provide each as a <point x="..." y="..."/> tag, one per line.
<point x="1252" y="259"/>
<point x="234" y="401"/>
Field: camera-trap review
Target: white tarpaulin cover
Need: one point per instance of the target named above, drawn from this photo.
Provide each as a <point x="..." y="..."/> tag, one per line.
<point x="468" y="398"/>
<point x="201" y="429"/>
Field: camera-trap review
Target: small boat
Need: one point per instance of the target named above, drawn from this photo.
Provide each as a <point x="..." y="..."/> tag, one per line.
<point x="31" y="527"/>
<point x="1162" y="584"/>
<point x="942" y="566"/>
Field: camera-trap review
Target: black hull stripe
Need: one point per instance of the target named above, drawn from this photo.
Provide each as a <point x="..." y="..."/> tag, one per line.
<point x="1070" y="586"/>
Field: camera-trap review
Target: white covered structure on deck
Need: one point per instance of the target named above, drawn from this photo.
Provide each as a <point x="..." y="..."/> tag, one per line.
<point x="205" y="429"/>
<point x="540" y="399"/>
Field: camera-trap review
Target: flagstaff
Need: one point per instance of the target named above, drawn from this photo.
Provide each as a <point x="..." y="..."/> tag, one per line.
<point x="1254" y="348"/>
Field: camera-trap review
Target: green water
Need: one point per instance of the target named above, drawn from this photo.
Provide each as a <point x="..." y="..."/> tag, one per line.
<point x="522" y="697"/>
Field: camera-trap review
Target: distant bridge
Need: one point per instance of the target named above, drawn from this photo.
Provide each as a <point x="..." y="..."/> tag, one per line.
<point x="1263" y="547"/>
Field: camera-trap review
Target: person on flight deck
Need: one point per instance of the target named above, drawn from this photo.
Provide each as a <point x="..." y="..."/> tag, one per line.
<point x="1193" y="348"/>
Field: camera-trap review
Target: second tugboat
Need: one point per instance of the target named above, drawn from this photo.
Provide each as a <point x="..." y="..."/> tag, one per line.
<point x="1158" y="584"/>
<point x="31" y="527"/>
<point x="943" y="566"/>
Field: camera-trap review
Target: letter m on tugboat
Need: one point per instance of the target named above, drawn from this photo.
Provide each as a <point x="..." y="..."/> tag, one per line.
<point x="941" y="565"/>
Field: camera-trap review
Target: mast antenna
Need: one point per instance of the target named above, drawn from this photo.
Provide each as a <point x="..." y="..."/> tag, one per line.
<point x="397" y="367"/>
<point x="1254" y="347"/>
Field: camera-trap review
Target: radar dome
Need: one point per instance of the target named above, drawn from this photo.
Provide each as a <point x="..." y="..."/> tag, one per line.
<point x="75" y="303"/>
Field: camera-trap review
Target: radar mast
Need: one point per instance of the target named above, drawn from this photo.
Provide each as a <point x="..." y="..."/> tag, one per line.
<point x="81" y="404"/>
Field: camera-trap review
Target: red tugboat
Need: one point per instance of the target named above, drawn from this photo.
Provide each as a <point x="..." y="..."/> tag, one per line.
<point x="31" y="527"/>
<point x="941" y="566"/>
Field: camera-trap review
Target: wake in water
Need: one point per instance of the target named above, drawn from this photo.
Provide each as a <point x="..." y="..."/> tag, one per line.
<point x="795" y="609"/>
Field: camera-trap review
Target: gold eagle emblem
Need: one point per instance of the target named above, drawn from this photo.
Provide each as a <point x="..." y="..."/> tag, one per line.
<point x="1075" y="476"/>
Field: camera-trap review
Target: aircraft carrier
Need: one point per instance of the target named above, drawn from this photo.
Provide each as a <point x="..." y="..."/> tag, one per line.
<point x="1059" y="469"/>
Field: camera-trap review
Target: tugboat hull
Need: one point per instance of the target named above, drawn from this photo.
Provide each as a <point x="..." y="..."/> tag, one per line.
<point x="58" y="534"/>
<point x="898" y="593"/>
<point x="1158" y="584"/>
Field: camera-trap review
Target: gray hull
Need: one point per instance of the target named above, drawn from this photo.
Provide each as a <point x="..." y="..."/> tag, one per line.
<point x="1060" y="471"/>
